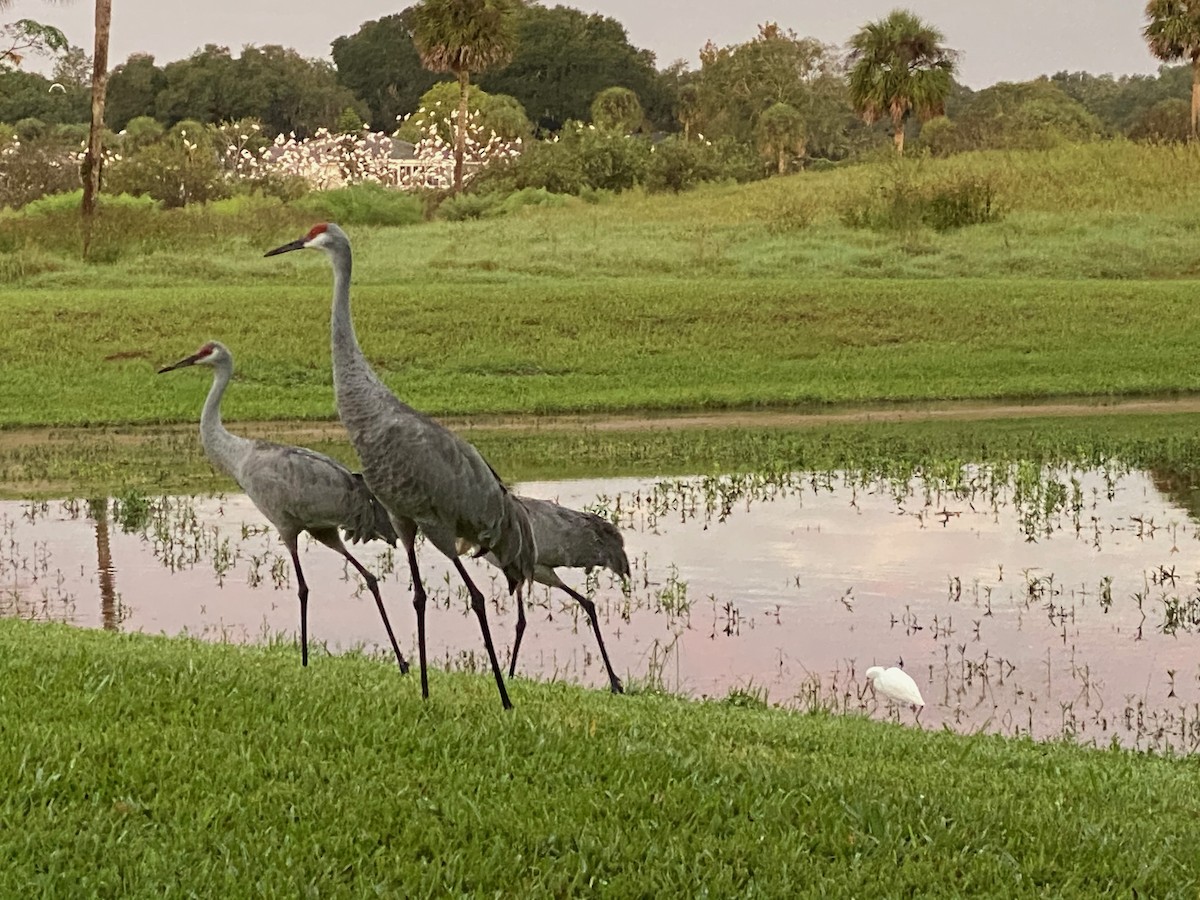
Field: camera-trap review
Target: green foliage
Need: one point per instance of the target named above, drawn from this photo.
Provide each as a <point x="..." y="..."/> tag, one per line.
<point x="462" y="207"/>
<point x="908" y="201"/>
<point x="176" y="171"/>
<point x="1031" y="115"/>
<point x="898" y="67"/>
<point x="274" y="84"/>
<point x="1165" y="122"/>
<point x="362" y="204"/>
<point x="680" y="165"/>
<point x="780" y="136"/>
<point x="555" y="39"/>
<point x="737" y="84"/>
<point x="348" y="121"/>
<point x="31" y="129"/>
<point x="380" y="64"/>
<point x="25" y="36"/>
<point x="497" y="113"/>
<point x="133" y="89"/>
<point x="34" y="169"/>
<point x="617" y="109"/>
<point x="464" y="36"/>
<point x="582" y="158"/>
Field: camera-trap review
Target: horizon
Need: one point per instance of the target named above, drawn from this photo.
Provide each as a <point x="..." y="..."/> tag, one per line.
<point x="993" y="40"/>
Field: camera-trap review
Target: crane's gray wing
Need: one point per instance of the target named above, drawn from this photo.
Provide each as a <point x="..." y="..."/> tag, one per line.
<point x="297" y="488"/>
<point x="421" y="470"/>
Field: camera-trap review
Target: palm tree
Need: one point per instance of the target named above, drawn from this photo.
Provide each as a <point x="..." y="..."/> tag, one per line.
<point x="90" y="170"/>
<point x="464" y="36"/>
<point x="1173" y="32"/>
<point x="899" y="67"/>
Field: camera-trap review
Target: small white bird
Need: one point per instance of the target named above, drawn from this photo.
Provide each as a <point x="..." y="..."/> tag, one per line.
<point x="896" y="684"/>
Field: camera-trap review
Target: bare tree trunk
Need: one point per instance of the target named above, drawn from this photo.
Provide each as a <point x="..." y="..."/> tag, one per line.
<point x="898" y="134"/>
<point x="460" y="137"/>
<point x="1195" y="97"/>
<point x="90" y="170"/>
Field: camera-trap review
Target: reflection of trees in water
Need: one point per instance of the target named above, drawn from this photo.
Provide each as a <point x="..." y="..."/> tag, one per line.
<point x="110" y="611"/>
<point x="1180" y="485"/>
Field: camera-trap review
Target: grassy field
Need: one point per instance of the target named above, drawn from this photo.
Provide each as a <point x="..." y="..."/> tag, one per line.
<point x="88" y="356"/>
<point x="138" y="766"/>
<point x="115" y="461"/>
<point x="724" y="297"/>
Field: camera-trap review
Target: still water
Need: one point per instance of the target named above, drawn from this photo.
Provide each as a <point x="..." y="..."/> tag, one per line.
<point x="1052" y="603"/>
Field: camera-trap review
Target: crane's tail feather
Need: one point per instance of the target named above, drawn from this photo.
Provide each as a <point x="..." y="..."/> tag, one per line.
<point x="514" y="547"/>
<point x="373" y="522"/>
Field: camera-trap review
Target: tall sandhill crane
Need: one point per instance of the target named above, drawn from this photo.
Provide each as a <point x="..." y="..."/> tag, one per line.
<point x="568" y="538"/>
<point x="296" y="489"/>
<point x="427" y="477"/>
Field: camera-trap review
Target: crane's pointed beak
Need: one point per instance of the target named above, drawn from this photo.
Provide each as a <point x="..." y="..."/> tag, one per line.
<point x="186" y="361"/>
<point x="287" y="248"/>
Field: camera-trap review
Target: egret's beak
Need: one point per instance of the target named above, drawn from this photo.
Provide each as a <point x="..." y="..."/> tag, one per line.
<point x="186" y="361"/>
<point x="298" y="244"/>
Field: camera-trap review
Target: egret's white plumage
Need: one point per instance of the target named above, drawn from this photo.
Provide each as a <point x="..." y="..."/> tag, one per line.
<point x="297" y="489"/>
<point x="896" y="684"/>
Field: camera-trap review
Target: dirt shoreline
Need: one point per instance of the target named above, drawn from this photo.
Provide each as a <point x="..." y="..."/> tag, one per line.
<point x="607" y="422"/>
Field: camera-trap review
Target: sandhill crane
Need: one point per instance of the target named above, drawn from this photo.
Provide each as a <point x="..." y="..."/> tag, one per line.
<point x="426" y="476"/>
<point x="296" y="489"/>
<point x="568" y="538"/>
<point x="895" y="684"/>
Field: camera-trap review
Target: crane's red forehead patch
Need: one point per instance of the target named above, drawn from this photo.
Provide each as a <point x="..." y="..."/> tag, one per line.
<point x="205" y="350"/>
<point x="316" y="229"/>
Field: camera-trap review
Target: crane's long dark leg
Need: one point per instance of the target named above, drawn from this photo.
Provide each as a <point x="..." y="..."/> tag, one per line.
<point x="334" y="542"/>
<point x="291" y="545"/>
<point x="512" y="663"/>
<point x="478" y="603"/>
<point x="408" y="537"/>
<point x="590" y="608"/>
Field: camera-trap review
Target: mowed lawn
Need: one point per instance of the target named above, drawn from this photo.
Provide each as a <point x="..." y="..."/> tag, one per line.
<point x="135" y="766"/>
<point x="553" y="345"/>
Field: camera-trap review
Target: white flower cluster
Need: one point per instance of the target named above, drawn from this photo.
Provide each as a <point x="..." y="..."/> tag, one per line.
<point x="433" y="156"/>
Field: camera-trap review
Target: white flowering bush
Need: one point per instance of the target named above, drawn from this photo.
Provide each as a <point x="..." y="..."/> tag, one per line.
<point x="33" y="169"/>
<point x="433" y="155"/>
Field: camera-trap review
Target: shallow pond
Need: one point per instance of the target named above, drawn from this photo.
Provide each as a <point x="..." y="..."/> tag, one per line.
<point x="1045" y="602"/>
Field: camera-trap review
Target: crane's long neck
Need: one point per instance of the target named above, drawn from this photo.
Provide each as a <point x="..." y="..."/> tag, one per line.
<point x="223" y="449"/>
<point x="354" y="383"/>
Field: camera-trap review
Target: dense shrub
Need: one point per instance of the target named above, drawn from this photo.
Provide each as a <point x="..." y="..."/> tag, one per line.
<point x="906" y="203"/>
<point x="582" y="158"/>
<point x="679" y="165"/>
<point x="363" y="204"/>
<point x="175" y="171"/>
<point x="34" y="169"/>
<point x="1166" y="122"/>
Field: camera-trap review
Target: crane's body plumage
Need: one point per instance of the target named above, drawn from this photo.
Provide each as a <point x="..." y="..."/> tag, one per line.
<point x="296" y="489"/>
<point x="567" y="538"/>
<point x="427" y="477"/>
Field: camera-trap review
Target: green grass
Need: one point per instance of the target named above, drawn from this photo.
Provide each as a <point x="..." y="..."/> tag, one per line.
<point x="138" y="766"/>
<point x="724" y="297"/>
<point x="111" y="461"/>
<point x="88" y="356"/>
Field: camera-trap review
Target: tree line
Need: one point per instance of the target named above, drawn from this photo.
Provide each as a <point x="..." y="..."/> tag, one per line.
<point x="792" y="98"/>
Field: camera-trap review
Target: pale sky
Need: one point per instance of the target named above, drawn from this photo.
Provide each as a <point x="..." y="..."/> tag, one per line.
<point x="1012" y="40"/>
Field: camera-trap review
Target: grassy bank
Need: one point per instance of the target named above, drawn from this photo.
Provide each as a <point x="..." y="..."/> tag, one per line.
<point x="88" y="356"/>
<point x="113" y="461"/>
<point x="140" y="766"/>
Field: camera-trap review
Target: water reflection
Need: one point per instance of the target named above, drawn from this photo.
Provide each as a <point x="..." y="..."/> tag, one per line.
<point x="1022" y="600"/>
